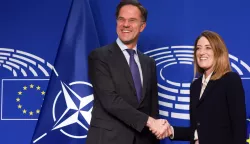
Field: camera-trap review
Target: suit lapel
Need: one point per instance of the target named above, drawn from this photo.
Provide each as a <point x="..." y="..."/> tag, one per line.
<point x="196" y="92"/>
<point x="207" y="90"/>
<point x="122" y="63"/>
<point x="144" y="74"/>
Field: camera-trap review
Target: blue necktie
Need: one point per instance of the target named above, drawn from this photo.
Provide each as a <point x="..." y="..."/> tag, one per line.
<point x="135" y="73"/>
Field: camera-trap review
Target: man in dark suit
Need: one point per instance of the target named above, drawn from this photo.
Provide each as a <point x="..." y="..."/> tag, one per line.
<point x="125" y="86"/>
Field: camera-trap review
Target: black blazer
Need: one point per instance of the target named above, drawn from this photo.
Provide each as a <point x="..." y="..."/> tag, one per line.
<point x="117" y="116"/>
<point x="220" y="115"/>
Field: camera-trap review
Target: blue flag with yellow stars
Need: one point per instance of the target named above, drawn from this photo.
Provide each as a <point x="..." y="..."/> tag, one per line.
<point x="24" y="100"/>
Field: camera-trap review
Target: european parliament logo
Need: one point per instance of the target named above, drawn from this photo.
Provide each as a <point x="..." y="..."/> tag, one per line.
<point x="175" y="74"/>
<point x="24" y="83"/>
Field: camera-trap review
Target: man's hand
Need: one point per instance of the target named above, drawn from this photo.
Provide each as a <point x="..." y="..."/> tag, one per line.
<point x="160" y="127"/>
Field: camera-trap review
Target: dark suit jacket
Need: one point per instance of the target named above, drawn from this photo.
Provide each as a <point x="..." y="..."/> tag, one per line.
<point x="117" y="116"/>
<point x="220" y="115"/>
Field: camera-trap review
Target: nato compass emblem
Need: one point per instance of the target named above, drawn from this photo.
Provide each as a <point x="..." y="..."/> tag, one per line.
<point x="175" y="74"/>
<point x="71" y="109"/>
<point x="78" y="109"/>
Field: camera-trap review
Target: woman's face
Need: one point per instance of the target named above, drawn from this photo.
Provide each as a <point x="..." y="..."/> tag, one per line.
<point x="205" y="55"/>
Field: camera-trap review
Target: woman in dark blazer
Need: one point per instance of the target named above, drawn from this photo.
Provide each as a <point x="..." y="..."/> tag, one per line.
<point x="217" y="101"/>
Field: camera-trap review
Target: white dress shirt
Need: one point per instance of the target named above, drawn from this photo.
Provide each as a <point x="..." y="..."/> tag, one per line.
<point x="123" y="48"/>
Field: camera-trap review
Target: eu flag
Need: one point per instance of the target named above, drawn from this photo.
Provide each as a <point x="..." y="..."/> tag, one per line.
<point x="66" y="110"/>
<point x="22" y="98"/>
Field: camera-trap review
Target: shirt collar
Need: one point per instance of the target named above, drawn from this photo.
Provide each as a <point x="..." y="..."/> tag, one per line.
<point x="206" y="80"/>
<point x="123" y="47"/>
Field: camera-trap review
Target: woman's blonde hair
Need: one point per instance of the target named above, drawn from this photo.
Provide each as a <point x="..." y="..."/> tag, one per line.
<point x="221" y="59"/>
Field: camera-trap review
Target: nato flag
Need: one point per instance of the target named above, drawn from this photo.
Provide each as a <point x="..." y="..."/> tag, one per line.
<point x="66" y="110"/>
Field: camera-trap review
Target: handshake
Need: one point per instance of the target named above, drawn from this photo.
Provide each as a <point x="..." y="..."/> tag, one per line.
<point x="159" y="127"/>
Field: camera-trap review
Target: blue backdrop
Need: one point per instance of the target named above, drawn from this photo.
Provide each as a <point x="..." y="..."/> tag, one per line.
<point x="31" y="31"/>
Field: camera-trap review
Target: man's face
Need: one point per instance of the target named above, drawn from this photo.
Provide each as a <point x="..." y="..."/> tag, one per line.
<point x="129" y="25"/>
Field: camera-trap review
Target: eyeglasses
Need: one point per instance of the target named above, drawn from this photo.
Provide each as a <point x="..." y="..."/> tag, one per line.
<point x="121" y="20"/>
